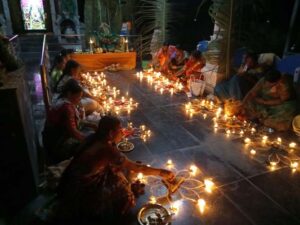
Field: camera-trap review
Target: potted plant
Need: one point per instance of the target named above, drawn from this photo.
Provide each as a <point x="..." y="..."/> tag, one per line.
<point x="9" y="63"/>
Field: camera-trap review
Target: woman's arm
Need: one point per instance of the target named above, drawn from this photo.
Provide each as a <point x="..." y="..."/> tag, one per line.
<point x="253" y="93"/>
<point x="71" y="124"/>
<point x="146" y="170"/>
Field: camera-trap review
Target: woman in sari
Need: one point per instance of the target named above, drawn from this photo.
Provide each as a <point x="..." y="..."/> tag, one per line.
<point x="177" y="59"/>
<point x="162" y="57"/>
<point x="240" y="84"/>
<point x="96" y="183"/>
<point x="61" y="133"/>
<point x="193" y="67"/>
<point x="72" y="72"/>
<point x="272" y="101"/>
<point x="57" y="69"/>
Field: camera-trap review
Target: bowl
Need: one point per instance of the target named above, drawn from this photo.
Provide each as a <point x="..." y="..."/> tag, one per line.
<point x="125" y="146"/>
<point x="154" y="214"/>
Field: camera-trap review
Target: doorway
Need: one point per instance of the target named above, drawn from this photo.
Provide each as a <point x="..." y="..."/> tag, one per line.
<point x="30" y="16"/>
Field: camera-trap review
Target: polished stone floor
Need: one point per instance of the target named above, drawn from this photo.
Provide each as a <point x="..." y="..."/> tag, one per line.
<point x="247" y="192"/>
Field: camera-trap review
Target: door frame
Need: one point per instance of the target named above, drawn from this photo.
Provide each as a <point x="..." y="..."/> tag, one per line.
<point x="48" y="19"/>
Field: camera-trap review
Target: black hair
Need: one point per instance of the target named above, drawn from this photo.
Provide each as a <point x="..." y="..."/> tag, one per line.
<point x="106" y="125"/>
<point x="273" y="76"/>
<point x="71" y="86"/>
<point x="58" y="59"/>
<point x="252" y="55"/>
<point x="179" y="47"/>
<point x="66" y="52"/>
<point x="71" y="64"/>
<point x="196" y="54"/>
<point x="166" y="43"/>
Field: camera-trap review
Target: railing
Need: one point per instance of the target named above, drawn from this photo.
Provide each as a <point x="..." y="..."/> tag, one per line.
<point x="14" y="46"/>
<point x="44" y="70"/>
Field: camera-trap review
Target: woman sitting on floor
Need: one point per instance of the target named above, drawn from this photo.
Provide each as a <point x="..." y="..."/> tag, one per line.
<point x="96" y="183"/>
<point x="72" y="71"/>
<point x="57" y="68"/>
<point x="240" y="84"/>
<point x="177" y="59"/>
<point x="193" y="67"/>
<point x="272" y="101"/>
<point x="61" y="133"/>
<point x="162" y="57"/>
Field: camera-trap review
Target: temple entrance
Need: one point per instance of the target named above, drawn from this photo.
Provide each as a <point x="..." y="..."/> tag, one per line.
<point x="33" y="15"/>
<point x="30" y="16"/>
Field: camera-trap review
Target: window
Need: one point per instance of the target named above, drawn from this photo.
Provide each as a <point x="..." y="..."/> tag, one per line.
<point x="33" y="13"/>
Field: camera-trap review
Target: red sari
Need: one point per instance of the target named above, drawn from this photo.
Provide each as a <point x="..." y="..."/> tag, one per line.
<point x="61" y="130"/>
<point x="93" y="185"/>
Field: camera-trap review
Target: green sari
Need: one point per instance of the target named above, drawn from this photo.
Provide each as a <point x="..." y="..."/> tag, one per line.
<point x="278" y="117"/>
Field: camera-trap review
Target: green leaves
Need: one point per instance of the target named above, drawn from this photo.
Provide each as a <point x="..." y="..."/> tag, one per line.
<point x="154" y="14"/>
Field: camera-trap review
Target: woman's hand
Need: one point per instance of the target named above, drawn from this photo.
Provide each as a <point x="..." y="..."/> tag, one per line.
<point x="166" y="174"/>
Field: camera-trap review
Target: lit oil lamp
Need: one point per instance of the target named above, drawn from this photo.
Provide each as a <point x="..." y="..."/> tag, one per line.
<point x="204" y="116"/>
<point x="209" y="185"/>
<point x="242" y="133"/>
<point x="228" y="132"/>
<point x="175" y="206"/>
<point x="247" y="140"/>
<point x="203" y="103"/>
<point x="201" y="205"/>
<point x="294" y="165"/>
<point x="292" y="145"/>
<point x="161" y="91"/>
<point x="253" y="152"/>
<point x="149" y="133"/>
<point x="225" y="117"/>
<point x="143" y="127"/>
<point x="279" y="140"/>
<point x="264" y="139"/>
<point x="170" y="163"/>
<point x="172" y="91"/>
<point x="193" y="170"/>
<point x="152" y="200"/>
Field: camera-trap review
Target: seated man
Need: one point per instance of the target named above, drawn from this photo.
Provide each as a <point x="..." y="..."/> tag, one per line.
<point x="272" y="101"/>
<point x="241" y="83"/>
<point x="162" y="57"/>
<point x="193" y="67"/>
<point x="177" y="59"/>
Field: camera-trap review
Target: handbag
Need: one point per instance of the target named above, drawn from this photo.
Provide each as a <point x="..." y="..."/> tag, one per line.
<point x="197" y="86"/>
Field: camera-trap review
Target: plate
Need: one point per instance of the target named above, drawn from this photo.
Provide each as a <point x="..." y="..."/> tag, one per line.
<point x="154" y="214"/>
<point x="125" y="146"/>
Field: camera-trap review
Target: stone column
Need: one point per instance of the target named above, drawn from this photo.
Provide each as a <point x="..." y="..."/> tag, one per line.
<point x="54" y="17"/>
<point x="8" y="25"/>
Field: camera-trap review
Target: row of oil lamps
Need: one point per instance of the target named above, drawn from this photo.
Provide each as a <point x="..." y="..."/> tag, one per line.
<point x="109" y="97"/>
<point x="145" y="133"/>
<point x="159" y="82"/>
<point x="221" y="120"/>
<point x="208" y="186"/>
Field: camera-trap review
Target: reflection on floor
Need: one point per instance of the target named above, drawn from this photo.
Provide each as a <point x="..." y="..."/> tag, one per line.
<point x="248" y="192"/>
